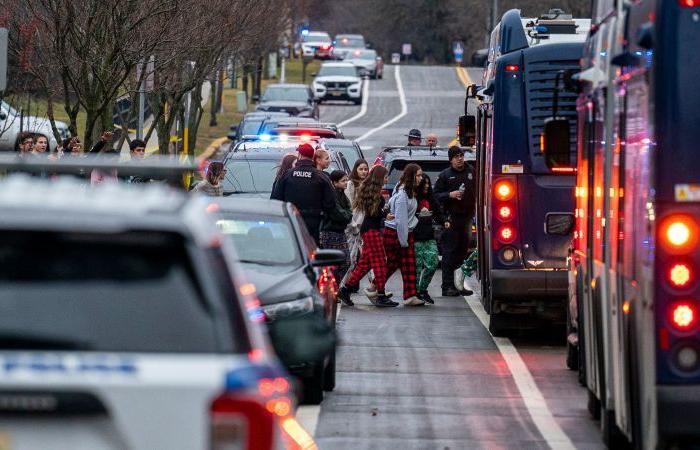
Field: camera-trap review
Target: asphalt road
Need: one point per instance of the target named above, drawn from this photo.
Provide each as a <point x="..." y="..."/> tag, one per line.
<point x="432" y="377"/>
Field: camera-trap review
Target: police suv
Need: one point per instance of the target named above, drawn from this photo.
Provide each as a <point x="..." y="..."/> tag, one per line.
<point x="125" y="324"/>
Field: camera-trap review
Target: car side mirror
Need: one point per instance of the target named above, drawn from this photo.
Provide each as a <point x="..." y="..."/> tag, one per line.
<point x="560" y="224"/>
<point x="232" y="136"/>
<point x="325" y="258"/>
<point x="255" y="98"/>
<point x="467" y="131"/>
<point x="555" y="143"/>
<point x="305" y="338"/>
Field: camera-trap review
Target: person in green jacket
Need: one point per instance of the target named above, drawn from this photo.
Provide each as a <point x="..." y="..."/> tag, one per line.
<point x="334" y="223"/>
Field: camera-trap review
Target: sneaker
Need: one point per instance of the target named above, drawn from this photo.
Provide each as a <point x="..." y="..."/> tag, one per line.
<point x="426" y="297"/>
<point x="383" y="302"/>
<point x="371" y="292"/>
<point x="413" y="301"/>
<point x="344" y="296"/>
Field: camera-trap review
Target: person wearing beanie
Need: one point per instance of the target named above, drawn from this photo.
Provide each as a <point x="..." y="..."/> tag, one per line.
<point x="308" y="189"/>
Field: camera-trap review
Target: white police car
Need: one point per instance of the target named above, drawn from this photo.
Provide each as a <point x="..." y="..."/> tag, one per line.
<point x="125" y="324"/>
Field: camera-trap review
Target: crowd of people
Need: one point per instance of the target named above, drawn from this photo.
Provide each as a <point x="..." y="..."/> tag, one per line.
<point x="380" y="236"/>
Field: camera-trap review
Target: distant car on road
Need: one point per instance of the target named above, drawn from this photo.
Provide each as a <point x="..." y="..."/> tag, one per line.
<point x="251" y="124"/>
<point x="294" y="99"/>
<point x="344" y="43"/>
<point x="367" y="62"/>
<point x="12" y="124"/>
<point x="126" y="323"/>
<point x="317" y="44"/>
<point x="292" y="278"/>
<point x="338" y="81"/>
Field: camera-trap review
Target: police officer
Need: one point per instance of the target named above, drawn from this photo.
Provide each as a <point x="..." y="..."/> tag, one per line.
<point x="414" y="138"/>
<point x="308" y="189"/>
<point x="455" y="189"/>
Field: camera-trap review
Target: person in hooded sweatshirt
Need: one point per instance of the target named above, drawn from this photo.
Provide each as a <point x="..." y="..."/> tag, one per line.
<point x="335" y="222"/>
<point x="398" y="233"/>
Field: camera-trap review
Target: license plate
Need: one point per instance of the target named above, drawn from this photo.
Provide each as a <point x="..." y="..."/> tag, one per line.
<point x="336" y="94"/>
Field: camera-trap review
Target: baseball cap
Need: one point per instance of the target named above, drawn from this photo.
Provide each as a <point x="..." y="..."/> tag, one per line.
<point x="414" y="133"/>
<point x="306" y="150"/>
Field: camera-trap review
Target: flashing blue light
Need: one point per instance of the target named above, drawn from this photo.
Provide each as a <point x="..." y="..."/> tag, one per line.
<point x="542" y="29"/>
<point x="247" y="377"/>
<point x="304" y="31"/>
<point x="265" y="137"/>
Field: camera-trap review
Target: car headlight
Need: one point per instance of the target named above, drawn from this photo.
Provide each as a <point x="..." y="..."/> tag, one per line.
<point x="292" y="308"/>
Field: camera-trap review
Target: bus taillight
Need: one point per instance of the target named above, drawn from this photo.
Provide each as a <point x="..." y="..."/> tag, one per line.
<point x="683" y="315"/>
<point x="678" y="234"/>
<point x="680" y="275"/>
<point x="504" y="190"/>
<point x="505" y="213"/>
<point x="506" y="234"/>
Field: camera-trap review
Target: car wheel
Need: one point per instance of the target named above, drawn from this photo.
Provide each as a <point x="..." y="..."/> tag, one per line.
<point x="381" y="75"/>
<point x="329" y="376"/>
<point x="358" y="101"/>
<point x="313" y="387"/>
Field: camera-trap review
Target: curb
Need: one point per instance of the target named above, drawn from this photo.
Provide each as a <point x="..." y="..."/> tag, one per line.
<point x="213" y="147"/>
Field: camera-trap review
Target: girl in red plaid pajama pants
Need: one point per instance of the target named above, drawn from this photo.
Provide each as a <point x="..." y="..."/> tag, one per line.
<point x="370" y="201"/>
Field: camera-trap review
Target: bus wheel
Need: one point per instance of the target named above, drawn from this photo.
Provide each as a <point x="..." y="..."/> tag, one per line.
<point x="612" y="436"/>
<point x="497" y="324"/>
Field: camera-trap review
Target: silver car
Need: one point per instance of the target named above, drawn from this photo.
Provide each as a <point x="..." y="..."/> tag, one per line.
<point x="12" y="124"/>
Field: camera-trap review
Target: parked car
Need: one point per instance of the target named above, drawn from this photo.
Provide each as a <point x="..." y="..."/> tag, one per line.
<point x="350" y="150"/>
<point x="12" y="124"/>
<point x="338" y="81"/>
<point x="251" y="123"/>
<point x="367" y="62"/>
<point x="252" y="165"/>
<point x="127" y="323"/>
<point x="345" y="43"/>
<point x="317" y="44"/>
<point x="294" y="99"/>
<point x="292" y="279"/>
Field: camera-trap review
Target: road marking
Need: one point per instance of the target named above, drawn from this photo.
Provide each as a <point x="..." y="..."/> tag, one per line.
<point x="404" y="108"/>
<point x="307" y="416"/>
<point x="530" y="393"/>
<point x="463" y="76"/>
<point x="363" y="109"/>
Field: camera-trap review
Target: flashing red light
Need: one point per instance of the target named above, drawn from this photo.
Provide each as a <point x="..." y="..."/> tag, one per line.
<point x="505" y="213"/>
<point x="683" y="315"/>
<point x="504" y="190"/>
<point x="325" y="47"/>
<point x="512" y="68"/>
<point x="305" y="137"/>
<point x="506" y="234"/>
<point x="689" y="3"/>
<point x="680" y="275"/>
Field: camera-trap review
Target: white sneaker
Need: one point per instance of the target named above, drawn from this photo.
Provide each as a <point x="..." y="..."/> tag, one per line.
<point x="371" y="292"/>
<point x="413" y="301"/>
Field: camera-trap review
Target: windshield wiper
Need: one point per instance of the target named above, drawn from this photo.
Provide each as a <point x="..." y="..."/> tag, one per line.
<point x="262" y="263"/>
<point x="21" y="341"/>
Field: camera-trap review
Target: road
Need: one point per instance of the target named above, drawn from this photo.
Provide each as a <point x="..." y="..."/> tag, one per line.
<point x="433" y="377"/>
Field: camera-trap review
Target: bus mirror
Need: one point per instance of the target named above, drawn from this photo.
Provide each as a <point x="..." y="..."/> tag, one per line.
<point x="472" y="89"/>
<point x="555" y="143"/>
<point x="467" y="131"/>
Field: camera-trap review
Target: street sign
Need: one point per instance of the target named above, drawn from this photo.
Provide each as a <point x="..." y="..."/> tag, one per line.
<point x="3" y="59"/>
<point x="406" y="49"/>
<point x="395" y="58"/>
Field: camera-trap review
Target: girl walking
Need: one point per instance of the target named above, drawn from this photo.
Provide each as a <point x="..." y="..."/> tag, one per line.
<point x="334" y="224"/>
<point x="359" y="173"/>
<point x="427" y="260"/>
<point x="398" y="234"/>
<point x="370" y="202"/>
<point x="288" y="162"/>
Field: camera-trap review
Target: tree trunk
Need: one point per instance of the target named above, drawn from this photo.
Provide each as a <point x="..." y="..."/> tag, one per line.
<point x="258" y="76"/>
<point x="213" y="106"/>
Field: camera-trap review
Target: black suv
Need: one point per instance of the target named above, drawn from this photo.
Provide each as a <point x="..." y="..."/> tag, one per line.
<point x="294" y="99"/>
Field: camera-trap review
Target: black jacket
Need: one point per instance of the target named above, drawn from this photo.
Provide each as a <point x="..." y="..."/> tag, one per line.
<point x="424" y="230"/>
<point x="337" y="220"/>
<point x="309" y="190"/>
<point x="450" y="180"/>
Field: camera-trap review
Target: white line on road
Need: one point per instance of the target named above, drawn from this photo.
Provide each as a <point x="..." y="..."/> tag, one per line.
<point x="404" y="108"/>
<point x="363" y="109"/>
<point x="530" y="393"/>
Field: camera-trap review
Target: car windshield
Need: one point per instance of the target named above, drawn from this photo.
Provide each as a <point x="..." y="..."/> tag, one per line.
<point x="363" y="54"/>
<point x="245" y="175"/>
<point x="264" y="241"/>
<point x="337" y="71"/>
<point x="288" y="94"/>
<point x="102" y="292"/>
<point x="349" y="42"/>
<point x="430" y="168"/>
<point x="251" y="126"/>
<point x="312" y="37"/>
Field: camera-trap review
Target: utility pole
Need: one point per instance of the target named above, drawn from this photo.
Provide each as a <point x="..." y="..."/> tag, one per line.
<point x="494" y="15"/>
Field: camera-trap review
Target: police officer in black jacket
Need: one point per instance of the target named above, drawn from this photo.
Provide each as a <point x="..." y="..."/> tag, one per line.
<point x="308" y="189"/>
<point x="455" y="189"/>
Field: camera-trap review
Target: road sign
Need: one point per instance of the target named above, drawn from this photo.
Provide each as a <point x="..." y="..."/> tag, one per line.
<point x="3" y="59"/>
<point x="395" y="58"/>
<point x="406" y="49"/>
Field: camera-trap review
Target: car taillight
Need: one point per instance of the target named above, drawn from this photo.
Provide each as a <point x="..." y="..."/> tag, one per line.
<point x="683" y="315"/>
<point x="689" y="3"/>
<point x="241" y="423"/>
<point x="678" y="234"/>
<point x="327" y="284"/>
<point x="512" y="68"/>
<point x="504" y="190"/>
